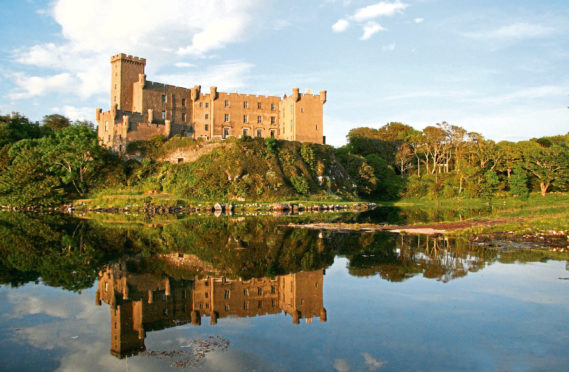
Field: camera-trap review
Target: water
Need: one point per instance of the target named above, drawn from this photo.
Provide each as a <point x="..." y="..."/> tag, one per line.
<point x="239" y="294"/>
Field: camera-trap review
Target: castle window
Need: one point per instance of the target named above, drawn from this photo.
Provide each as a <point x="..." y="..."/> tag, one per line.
<point x="163" y="115"/>
<point x="207" y="116"/>
<point x="245" y="118"/>
<point x="316" y="126"/>
<point x="272" y="134"/>
<point x="272" y="107"/>
<point x="106" y="125"/>
<point x="259" y="133"/>
<point x="259" y="106"/>
<point x="226" y="118"/>
<point x="206" y="127"/>
<point x="260" y="304"/>
<point x="163" y="98"/>
<point x="225" y="132"/>
<point x="183" y="117"/>
<point x="245" y="305"/>
<point x="201" y="104"/>
<point x="245" y="104"/>
<point x="245" y="292"/>
<point x="226" y="103"/>
<point x="245" y="132"/>
<point x="206" y="104"/>
<point x="272" y="289"/>
<point x="226" y="307"/>
<point x="226" y="294"/>
<point x="302" y="109"/>
<point x="260" y="291"/>
<point x="259" y="119"/>
<point x="206" y="295"/>
<point x="184" y="102"/>
<point x="273" y="120"/>
<point x="120" y="148"/>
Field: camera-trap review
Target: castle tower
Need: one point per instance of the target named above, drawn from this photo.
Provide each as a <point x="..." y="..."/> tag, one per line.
<point x="301" y="116"/>
<point x="125" y="71"/>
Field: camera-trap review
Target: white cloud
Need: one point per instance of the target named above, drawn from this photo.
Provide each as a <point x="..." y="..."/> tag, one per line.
<point x="184" y="64"/>
<point x="370" y="29"/>
<point x="31" y="86"/>
<point x="365" y="16"/>
<point x="226" y="76"/>
<point x="514" y="31"/>
<point x="341" y="25"/>
<point x="372" y="363"/>
<point x="419" y="20"/>
<point x="378" y="10"/>
<point x="93" y="30"/>
<point x="341" y="365"/>
<point x="74" y="113"/>
<point x="389" y="47"/>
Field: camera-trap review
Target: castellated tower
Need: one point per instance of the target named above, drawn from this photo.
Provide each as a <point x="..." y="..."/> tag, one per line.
<point x="142" y="109"/>
<point x="125" y="71"/>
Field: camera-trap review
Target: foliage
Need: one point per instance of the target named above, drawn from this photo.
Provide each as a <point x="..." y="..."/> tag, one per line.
<point x="519" y="183"/>
<point x="55" y="121"/>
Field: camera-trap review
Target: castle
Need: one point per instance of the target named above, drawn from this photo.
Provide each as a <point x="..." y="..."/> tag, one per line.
<point x="143" y="302"/>
<point x="141" y="109"/>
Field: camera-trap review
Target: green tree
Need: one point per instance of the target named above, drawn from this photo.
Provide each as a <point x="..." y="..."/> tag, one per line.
<point x="56" y="121"/>
<point x="490" y="184"/>
<point x="548" y="164"/>
<point x="16" y="127"/>
<point x="74" y="154"/>
<point x="518" y="183"/>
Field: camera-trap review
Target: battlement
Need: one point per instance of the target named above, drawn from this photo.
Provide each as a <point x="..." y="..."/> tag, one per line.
<point x="128" y="58"/>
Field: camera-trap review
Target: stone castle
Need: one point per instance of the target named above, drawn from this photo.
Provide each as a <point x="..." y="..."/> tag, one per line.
<point x="144" y="302"/>
<point x="141" y="109"/>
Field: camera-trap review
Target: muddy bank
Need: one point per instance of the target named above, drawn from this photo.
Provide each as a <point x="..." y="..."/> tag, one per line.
<point x="436" y="228"/>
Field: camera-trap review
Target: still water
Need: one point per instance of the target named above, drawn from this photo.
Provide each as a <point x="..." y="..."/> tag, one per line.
<point x="247" y="293"/>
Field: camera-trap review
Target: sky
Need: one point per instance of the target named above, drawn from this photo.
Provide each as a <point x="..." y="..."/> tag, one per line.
<point x="500" y="68"/>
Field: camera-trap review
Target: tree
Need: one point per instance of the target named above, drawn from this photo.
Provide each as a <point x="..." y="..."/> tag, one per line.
<point x="519" y="183"/>
<point x="490" y="184"/>
<point x="16" y="127"/>
<point x="25" y="182"/>
<point x="85" y="123"/>
<point x="75" y="155"/>
<point x="55" y="121"/>
<point x="548" y="164"/>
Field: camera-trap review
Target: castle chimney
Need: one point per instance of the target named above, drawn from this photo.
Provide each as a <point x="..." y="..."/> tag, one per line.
<point x="295" y="94"/>
<point x="213" y="93"/>
<point x="323" y="96"/>
<point x="323" y="315"/>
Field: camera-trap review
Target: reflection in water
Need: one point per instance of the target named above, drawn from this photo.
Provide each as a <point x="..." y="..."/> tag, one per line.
<point x="142" y="301"/>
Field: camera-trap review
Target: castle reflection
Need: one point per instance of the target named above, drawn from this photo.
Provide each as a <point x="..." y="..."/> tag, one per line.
<point x="147" y="301"/>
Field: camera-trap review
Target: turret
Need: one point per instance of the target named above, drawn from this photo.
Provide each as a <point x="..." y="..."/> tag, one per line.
<point x="323" y="96"/>
<point x="323" y="315"/>
<point x="295" y="94"/>
<point x="195" y="318"/>
<point x="213" y="319"/>
<point x="195" y="92"/>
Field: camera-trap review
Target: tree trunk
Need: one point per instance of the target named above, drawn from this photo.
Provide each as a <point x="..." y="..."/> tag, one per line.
<point x="544" y="186"/>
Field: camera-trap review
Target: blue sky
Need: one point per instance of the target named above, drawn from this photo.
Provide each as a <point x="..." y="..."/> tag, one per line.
<point x="498" y="68"/>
